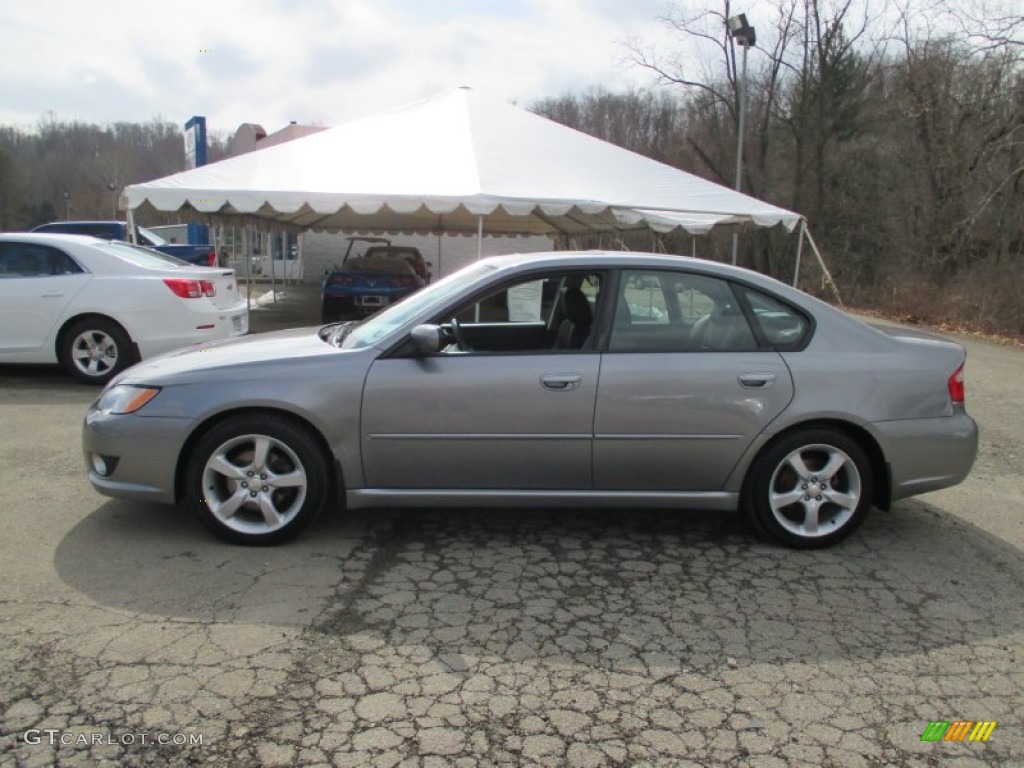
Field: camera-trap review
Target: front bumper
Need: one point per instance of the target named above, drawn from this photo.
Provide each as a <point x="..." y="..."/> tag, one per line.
<point x="140" y="454"/>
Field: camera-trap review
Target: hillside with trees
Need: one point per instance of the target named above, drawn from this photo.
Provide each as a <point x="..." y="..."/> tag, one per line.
<point x="898" y="133"/>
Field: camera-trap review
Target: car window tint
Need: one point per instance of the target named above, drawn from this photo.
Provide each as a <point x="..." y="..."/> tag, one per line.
<point x="781" y="325"/>
<point x="34" y="260"/>
<point x="669" y="311"/>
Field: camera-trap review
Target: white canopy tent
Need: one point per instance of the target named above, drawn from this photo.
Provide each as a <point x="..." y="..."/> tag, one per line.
<point x="457" y="163"/>
<point x="456" y="157"/>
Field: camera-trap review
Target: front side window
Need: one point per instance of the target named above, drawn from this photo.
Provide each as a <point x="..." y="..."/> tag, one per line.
<point x="34" y="260"/>
<point x="669" y="311"/>
<point x="540" y="313"/>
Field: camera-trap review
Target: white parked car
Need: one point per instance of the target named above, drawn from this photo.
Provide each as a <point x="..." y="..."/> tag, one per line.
<point x="96" y="306"/>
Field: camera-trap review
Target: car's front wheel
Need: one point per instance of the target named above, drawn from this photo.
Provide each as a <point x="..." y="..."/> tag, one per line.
<point x="257" y="479"/>
<point x="94" y="350"/>
<point x="810" y="489"/>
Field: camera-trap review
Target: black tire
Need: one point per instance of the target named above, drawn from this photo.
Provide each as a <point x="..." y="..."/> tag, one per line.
<point x="94" y="350"/>
<point x="787" y="497"/>
<point x="246" y="499"/>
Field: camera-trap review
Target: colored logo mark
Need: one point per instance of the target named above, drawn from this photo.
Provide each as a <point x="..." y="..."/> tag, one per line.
<point x="958" y="730"/>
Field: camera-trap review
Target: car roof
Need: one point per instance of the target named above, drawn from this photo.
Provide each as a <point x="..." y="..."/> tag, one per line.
<point x="600" y="259"/>
<point x="620" y="259"/>
<point x="50" y="238"/>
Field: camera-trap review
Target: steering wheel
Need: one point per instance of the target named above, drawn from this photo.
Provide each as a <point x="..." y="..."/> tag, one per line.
<point x="460" y="337"/>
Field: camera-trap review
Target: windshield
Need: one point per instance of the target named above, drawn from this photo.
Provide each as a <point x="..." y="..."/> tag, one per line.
<point x="143" y="257"/>
<point x="378" y="326"/>
<point x="152" y="236"/>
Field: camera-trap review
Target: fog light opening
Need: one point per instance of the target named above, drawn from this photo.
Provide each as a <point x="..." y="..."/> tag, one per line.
<point x="104" y="466"/>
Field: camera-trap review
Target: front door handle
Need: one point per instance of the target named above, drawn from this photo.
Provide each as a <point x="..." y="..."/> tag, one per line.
<point x="756" y="380"/>
<point x="560" y="382"/>
<point x="53" y="295"/>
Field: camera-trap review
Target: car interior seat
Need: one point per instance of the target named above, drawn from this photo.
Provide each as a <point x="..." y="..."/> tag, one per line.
<point x="575" y="327"/>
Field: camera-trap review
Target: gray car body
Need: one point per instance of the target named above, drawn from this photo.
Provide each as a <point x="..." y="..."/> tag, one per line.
<point x="481" y="430"/>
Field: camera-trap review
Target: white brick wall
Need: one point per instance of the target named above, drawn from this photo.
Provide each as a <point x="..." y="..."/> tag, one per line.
<point x="321" y="250"/>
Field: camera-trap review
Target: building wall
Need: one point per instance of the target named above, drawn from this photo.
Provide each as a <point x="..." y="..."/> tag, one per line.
<point x="322" y="250"/>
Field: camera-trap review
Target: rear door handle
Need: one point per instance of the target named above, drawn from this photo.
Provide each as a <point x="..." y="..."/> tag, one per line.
<point x="756" y="380"/>
<point x="53" y="295"/>
<point x="560" y="382"/>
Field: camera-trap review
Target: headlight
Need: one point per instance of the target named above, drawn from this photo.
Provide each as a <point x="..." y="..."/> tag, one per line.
<point x="125" y="398"/>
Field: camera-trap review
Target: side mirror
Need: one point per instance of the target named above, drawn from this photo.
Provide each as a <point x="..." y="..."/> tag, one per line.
<point x="426" y="339"/>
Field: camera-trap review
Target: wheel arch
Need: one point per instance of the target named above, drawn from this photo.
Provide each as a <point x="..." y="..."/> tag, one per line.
<point x="69" y="323"/>
<point x="881" y="476"/>
<point x="335" y="478"/>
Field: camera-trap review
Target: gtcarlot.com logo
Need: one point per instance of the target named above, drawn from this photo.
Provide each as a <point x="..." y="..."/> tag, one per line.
<point x="58" y="738"/>
<point x="958" y="730"/>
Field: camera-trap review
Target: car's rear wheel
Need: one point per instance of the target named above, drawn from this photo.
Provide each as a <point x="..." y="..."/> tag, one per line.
<point x="257" y="479"/>
<point x="94" y="350"/>
<point x="810" y="489"/>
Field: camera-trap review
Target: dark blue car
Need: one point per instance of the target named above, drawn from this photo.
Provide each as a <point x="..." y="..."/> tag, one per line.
<point x="362" y="286"/>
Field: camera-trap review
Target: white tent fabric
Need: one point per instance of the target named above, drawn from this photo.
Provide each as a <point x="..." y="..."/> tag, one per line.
<point x="442" y="164"/>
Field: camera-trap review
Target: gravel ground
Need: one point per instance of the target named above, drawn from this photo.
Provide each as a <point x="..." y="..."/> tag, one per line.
<point x="534" y="638"/>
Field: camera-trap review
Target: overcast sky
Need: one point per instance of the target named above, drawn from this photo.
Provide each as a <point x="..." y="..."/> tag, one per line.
<point x="313" y="61"/>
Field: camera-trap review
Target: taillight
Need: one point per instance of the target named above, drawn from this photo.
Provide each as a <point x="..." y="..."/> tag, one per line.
<point x="956" y="385"/>
<point x="190" y="289"/>
<point x="211" y="258"/>
<point x="341" y="280"/>
<point x="402" y="282"/>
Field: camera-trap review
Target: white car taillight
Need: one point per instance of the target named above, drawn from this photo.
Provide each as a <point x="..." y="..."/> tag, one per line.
<point x="190" y="289"/>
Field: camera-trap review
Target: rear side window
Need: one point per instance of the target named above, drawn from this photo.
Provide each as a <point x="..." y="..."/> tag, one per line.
<point x="34" y="260"/>
<point x="781" y="326"/>
<point x="673" y="311"/>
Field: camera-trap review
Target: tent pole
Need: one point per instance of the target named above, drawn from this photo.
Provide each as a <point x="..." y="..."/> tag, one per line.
<point x="479" y="237"/>
<point x="131" y="226"/>
<point x="799" y="250"/>
<point x="440" y="229"/>
<point x="248" y="267"/>
<point x="821" y="262"/>
<point x="268" y="237"/>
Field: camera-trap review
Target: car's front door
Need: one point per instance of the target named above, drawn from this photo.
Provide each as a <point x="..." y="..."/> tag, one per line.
<point x="37" y="283"/>
<point x="512" y="412"/>
<point x="684" y="388"/>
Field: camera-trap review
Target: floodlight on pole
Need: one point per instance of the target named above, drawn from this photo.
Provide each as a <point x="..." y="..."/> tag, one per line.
<point x="743" y="35"/>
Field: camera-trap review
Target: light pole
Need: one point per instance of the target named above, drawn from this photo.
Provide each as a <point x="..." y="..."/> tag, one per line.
<point x="743" y="35"/>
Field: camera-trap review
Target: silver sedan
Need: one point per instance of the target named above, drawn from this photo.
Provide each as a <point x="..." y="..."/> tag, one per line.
<point x="563" y="379"/>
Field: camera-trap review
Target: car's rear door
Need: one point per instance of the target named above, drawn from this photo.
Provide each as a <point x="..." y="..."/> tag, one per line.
<point x="684" y="386"/>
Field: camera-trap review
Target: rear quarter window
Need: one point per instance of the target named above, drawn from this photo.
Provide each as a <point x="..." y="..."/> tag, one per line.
<point x="780" y="324"/>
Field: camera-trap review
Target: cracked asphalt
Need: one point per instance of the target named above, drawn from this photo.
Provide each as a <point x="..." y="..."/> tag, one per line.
<point x="129" y="636"/>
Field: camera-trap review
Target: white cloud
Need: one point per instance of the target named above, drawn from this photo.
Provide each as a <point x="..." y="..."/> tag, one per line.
<point x="327" y="61"/>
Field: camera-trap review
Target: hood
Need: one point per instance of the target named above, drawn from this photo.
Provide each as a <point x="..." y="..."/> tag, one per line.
<point x="275" y="347"/>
